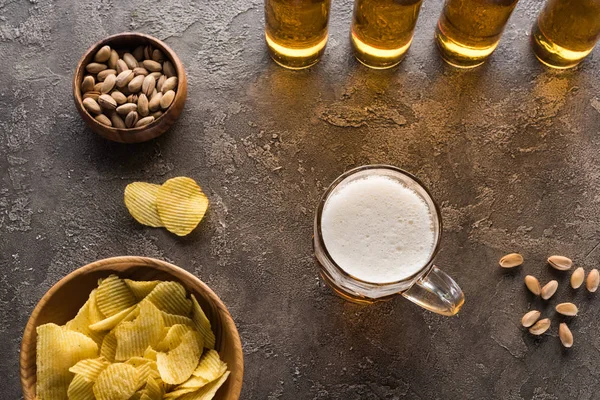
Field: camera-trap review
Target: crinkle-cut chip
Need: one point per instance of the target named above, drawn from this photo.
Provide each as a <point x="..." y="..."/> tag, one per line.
<point x="137" y="361"/>
<point x="153" y="390"/>
<point x="109" y="347"/>
<point x="150" y="353"/>
<point x="81" y="323"/>
<point x="140" y="200"/>
<point x="170" y="297"/>
<point x="177" y="365"/>
<point x="148" y="370"/>
<point x="110" y="322"/>
<point x="141" y="289"/>
<point x="172" y="319"/>
<point x="114" y="296"/>
<point x="95" y="313"/>
<point x="210" y="368"/>
<point x="137" y="395"/>
<point x="173" y="338"/>
<point x="57" y="349"/>
<point x="81" y="389"/>
<point x="181" y="205"/>
<point x="207" y="392"/>
<point x="202" y="324"/>
<point x="117" y="382"/>
<point x="178" y="393"/>
<point x="134" y="337"/>
<point x="90" y="368"/>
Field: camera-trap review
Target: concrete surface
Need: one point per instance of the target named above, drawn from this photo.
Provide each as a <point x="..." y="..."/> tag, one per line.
<point x="510" y="150"/>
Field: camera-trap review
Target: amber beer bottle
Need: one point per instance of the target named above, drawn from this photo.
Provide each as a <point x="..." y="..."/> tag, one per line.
<point x="566" y="31"/>
<point x="382" y="30"/>
<point x="468" y="31"/>
<point x="296" y="31"/>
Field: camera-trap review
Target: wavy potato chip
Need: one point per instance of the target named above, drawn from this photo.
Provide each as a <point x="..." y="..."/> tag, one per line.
<point x="181" y="205"/>
<point x="81" y="323"/>
<point x="207" y="392"/>
<point x="210" y="367"/>
<point x="150" y="353"/>
<point x="110" y="322"/>
<point x="114" y="296"/>
<point x="141" y="289"/>
<point x="148" y="370"/>
<point x="109" y="347"/>
<point x="177" y="365"/>
<point x="134" y="337"/>
<point x="170" y="297"/>
<point x="90" y="368"/>
<point x="58" y="349"/>
<point x="172" y="338"/>
<point x="81" y="389"/>
<point x="153" y="390"/>
<point x="202" y="324"/>
<point x="140" y="200"/>
<point x="95" y="313"/>
<point x="117" y="382"/>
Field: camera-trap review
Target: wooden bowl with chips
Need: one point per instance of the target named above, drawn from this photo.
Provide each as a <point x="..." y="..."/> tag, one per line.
<point x="130" y="40"/>
<point x="65" y="298"/>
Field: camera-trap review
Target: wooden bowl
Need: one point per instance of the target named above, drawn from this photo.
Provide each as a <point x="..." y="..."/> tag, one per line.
<point x="131" y="40"/>
<point x="64" y="299"/>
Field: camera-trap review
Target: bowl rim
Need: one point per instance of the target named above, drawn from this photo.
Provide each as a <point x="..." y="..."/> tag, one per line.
<point x="78" y="96"/>
<point x="104" y="264"/>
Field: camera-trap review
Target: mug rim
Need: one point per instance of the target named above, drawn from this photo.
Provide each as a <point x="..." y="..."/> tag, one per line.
<point x="342" y="178"/>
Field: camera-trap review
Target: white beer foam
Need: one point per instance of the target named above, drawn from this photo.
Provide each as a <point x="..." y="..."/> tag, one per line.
<point x="378" y="230"/>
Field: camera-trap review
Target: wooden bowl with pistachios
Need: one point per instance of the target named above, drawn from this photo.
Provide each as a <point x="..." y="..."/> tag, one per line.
<point x="129" y="87"/>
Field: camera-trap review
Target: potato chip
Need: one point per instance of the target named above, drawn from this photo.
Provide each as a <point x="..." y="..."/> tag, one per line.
<point x="150" y="353"/>
<point x="210" y="367"/>
<point x="110" y="322"/>
<point x="208" y="391"/>
<point x="90" y="368"/>
<point x="172" y="338"/>
<point x="172" y="319"/>
<point x="202" y="324"/>
<point x="117" y="382"/>
<point x="109" y="347"/>
<point x="95" y="313"/>
<point x="170" y="297"/>
<point x="140" y="200"/>
<point x="177" y="365"/>
<point x="137" y="395"/>
<point x="148" y="370"/>
<point x="81" y="389"/>
<point x="153" y="390"/>
<point x="114" y="296"/>
<point x="81" y="323"/>
<point x="58" y="349"/>
<point x="134" y="337"/>
<point x="181" y="205"/>
<point x="141" y="289"/>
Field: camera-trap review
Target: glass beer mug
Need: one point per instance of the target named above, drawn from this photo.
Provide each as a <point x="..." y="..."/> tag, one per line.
<point x="377" y="231"/>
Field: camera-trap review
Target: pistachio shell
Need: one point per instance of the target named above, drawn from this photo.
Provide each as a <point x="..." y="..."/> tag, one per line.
<point x="169" y="69"/>
<point x="508" y="261"/>
<point x="565" y="335"/>
<point x="142" y="103"/>
<point x="140" y="71"/>
<point x="152" y="65"/>
<point x="130" y="60"/>
<point x="158" y="56"/>
<point x="108" y="84"/>
<point x="92" y="95"/>
<point x="170" y="84"/>
<point x="577" y="278"/>
<point x="560" y="262"/>
<point x="117" y="121"/>
<point x="107" y="102"/>
<point x="136" y="83"/>
<point x="568" y="309"/>
<point x="119" y="97"/>
<point x="103" y="119"/>
<point x="102" y="55"/>
<point x="112" y="61"/>
<point x="126" y="108"/>
<point x="148" y="85"/>
<point x="549" y="289"/>
<point x="121" y="66"/>
<point x="540" y="327"/>
<point x="144" y="121"/>
<point x="167" y="99"/>
<point x="87" y="85"/>
<point x="124" y="78"/>
<point x="533" y="285"/>
<point x="94" y="68"/>
<point x="103" y="74"/>
<point x="131" y="119"/>
<point x="138" y="53"/>
<point x="92" y="106"/>
<point x="154" y="103"/>
<point x="530" y="318"/>
<point x="592" y="281"/>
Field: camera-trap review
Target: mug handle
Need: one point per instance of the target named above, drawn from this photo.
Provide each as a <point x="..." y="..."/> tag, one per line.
<point x="437" y="292"/>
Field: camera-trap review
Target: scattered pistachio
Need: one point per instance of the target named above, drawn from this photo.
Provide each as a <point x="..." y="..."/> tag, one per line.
<point x="592" y="281"/>
<point x="560" y="262"/>
<point x="568" y="309"/>
<point x="577" y="278"/>
<point x="530" y="318"/>
<point x="533" y="285"/>
<point x="508" y="261"/>
<point x="565" y="335"/>
<point x="540" y="327"/>
<point x="549" y="289"/>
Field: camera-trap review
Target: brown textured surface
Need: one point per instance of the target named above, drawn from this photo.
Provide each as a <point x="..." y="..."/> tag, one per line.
<point x="509" y="150"/>
<point x="64" y="299"/>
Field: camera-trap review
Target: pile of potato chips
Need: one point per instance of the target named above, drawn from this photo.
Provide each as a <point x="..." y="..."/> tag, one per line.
<point x="178" y="204"/>
<point x="131" y="340"/>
